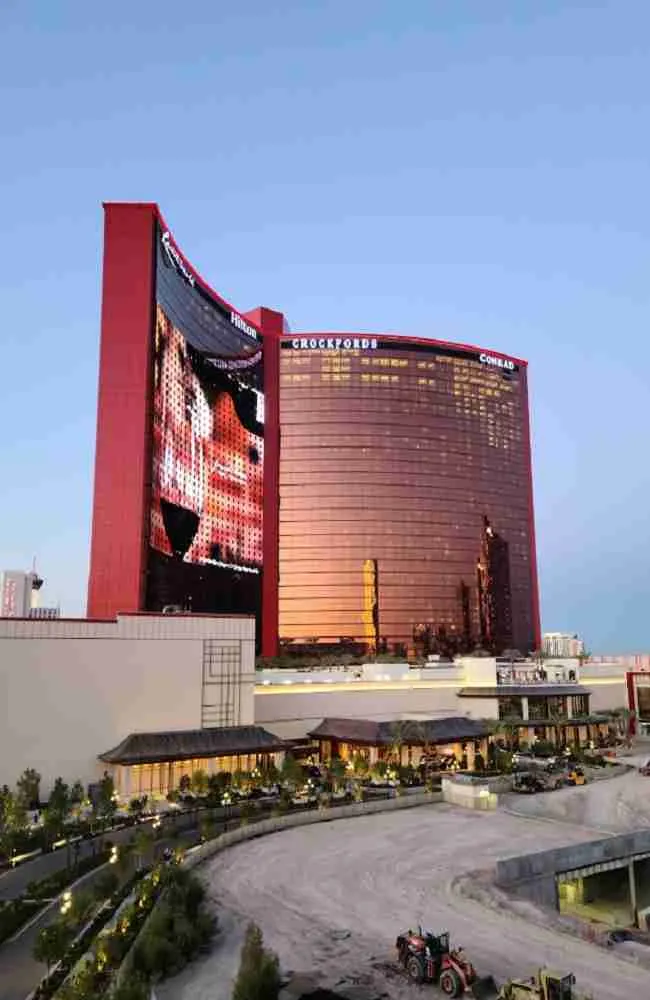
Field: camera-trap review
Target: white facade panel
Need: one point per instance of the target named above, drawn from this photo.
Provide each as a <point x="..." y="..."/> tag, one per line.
<point x="69" y="692"/>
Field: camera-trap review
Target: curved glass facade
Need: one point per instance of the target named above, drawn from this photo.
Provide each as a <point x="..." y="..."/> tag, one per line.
<point x="405" y="496"/>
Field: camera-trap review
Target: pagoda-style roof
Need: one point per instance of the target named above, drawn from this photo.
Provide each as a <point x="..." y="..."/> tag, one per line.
<point x="521" y="690"/>
<point x="415" y="732"/>
<point x="187" y="744"/>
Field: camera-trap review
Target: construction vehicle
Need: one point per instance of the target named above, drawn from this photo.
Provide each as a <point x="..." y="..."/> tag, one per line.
<point x="428" y="958"/>
<point x="526" y="783"/>
<point x="546" y="985"/>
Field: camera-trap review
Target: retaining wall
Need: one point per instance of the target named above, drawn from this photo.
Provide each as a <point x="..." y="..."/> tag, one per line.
<point x="534" y="875"/>
<point x="469" y="795"/>
<point x="197" y="855"/>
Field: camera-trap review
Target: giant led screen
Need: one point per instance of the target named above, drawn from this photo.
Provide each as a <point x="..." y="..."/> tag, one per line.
<point x="205" y="539"/>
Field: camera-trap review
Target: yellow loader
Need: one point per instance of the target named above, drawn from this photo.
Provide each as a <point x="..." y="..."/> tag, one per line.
<point x="546" y="985"/>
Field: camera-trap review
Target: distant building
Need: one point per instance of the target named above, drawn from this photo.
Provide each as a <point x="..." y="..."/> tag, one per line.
<point x="18" y="593"/>
<point x="45" y="613"/>
<point x="562" y="644"/>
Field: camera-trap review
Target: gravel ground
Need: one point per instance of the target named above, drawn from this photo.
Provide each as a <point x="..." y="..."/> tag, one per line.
<point x="614" y="806"/>
<point x="331" y="898"/>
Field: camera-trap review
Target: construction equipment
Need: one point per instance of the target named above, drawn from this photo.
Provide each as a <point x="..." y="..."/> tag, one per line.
<point x="526" y="783"/>
<point x="546" y="985"/>
<point x="428" y="958"/>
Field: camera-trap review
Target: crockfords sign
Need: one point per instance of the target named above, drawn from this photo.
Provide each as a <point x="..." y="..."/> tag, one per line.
<point x="490" y="359"/>
<point x="334" y="343"/>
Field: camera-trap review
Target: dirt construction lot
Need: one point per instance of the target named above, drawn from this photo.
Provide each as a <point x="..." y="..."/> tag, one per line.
<point x="333" y="897"/>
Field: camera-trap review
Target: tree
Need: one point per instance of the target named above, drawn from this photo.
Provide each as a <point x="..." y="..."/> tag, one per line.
<point x="200" y="783"/>
<point x="52" y="943"/>
<point x="58" y="807"/>
<point x="13" y="819"/>
<point x="270" y="773"/>
<point x="28" y="786"/>
<point x="555" y="721"/>
<point x="259" y="970"/>
<point x="83" y="904"/>
<point x="106" y="804"/>
<point x="217" y="784"/>
<point x="77" y="793"/>
<point x="360" y="766"/>
<point x="135" y="807"/>
<point x="143" y="845"/>
<point x="398" y="732"/>
<point x="207" y="828"/>
<point x="105" y="884"/>
<point x="338" y="771"/>
<point x="291" y="771"/>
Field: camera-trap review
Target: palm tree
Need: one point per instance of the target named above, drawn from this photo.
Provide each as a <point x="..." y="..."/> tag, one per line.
<point x="338" y="771"/>
<point x="555" y="721"/>
<point x="506" y="727"/>
<point x="398" y="733"/>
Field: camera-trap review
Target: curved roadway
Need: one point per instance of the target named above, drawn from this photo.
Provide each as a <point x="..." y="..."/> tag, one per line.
<point x="376" y="875"/>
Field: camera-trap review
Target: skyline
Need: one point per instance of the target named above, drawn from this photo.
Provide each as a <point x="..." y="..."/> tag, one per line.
<point x="472" y="178"/>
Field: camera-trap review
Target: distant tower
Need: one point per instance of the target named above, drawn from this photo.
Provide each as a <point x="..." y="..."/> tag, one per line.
<point x="36" y="582"/>
<point x="19" y="595"/>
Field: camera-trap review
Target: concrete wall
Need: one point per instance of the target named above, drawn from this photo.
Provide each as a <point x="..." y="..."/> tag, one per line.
<point x="278" y="823"/>
<point x="70" y="690"/>
<point x="469" y="796"/>
<point x="293" y="710"/>
<point x="606" y="682"/>
<point x="534" y="875"/>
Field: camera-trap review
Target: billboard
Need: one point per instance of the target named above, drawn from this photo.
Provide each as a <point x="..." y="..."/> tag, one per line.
<point x="207" y="447"/>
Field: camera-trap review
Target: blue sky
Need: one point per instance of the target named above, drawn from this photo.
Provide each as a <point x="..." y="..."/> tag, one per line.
<point x="468" y="170"/>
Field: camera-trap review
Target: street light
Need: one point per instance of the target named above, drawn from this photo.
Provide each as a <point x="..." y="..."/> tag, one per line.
<point x="66" y="902"/>
<point x="114" y="855"/>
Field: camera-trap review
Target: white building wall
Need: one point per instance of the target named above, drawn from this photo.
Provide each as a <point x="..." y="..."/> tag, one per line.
<point x="606" y="682"/>
<point x="292" y="711"/>
<point x="70" y="690"/>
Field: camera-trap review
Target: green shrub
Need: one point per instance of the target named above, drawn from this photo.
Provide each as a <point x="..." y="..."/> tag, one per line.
<point x="259" y="971"/>
<point x="177" y="929"/>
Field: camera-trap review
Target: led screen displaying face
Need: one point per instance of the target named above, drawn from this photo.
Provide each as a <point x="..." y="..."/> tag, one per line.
<point x="208" y="448"/>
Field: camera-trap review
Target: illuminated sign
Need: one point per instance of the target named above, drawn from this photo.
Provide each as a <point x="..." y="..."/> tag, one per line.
<point x="176" y="259"/>
<point x="334" y="343"/>
<point x="490" y="359"/>
<point x="242" y="325"/>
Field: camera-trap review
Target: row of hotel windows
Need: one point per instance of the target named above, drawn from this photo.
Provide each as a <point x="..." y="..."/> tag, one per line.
<point x="462" y="365"/>
<point x="471" y="387"/>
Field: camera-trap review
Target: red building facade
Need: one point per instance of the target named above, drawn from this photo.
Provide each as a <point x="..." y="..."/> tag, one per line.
<point x="185" y="500"/>
<point x="410" y="458"/>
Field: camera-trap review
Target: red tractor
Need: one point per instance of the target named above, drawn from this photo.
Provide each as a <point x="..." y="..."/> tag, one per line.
<point x="427" y="958"/>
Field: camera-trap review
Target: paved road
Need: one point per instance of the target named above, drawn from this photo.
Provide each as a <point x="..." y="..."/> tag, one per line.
<point x="14" y="882"/>
<point x="20" y="973"/>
